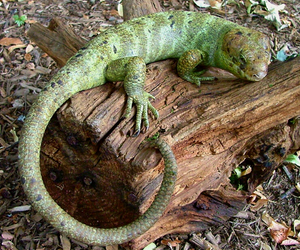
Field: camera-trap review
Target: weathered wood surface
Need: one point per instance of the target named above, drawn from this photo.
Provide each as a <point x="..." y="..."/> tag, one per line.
<point x="104" y="177"/>
<point x="136" y="8"/>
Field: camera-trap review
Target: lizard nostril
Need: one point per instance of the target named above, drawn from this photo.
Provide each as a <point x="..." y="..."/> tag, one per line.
<point x="260" y="75"/>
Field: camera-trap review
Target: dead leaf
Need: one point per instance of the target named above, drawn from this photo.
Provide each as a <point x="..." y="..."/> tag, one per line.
<point x="66" y="244"/>
<point x="120" y="9"/>
<point x="279" y="232"/>
<point x="18" y="46"/>
<point x="268" y="10"/>
<point x="248" y="170"/>
<point x="29" y="48"/>
<point x="279" y="235"/>
<point x="29" y="73"/>
<point x="6" y="41"/>
<point x="37" y="217"/>
<point x="3" y="142"/>
<point x="202" y="243"/>
<point x="290" y="242"/>
<point x="296" y="225"/>
<point x="202" y="3"/>
<point x="260" y="194"/>
<point x="2" y="92"/>
<point x="216" y="4"/>
<point x="112" y="247"/>
<point x="25" y="85"/>
<point x="259" y="204"/>
<point x="24" y="207"/>
<point x="114" y="12"/>
<point x="244" y="215"/>
<point x="7" y="236"/>
<point x="264" y="246"/>
<point x="172" y="243"/>
<point x="42" y="70"/>
<point x="30" y="66"/>
<point x="9" y="245"/>
<point x="49" y="242"/>
<point x="6" y="55"/>
<point x="30" y="21"/>
<point x="28" y="57"/>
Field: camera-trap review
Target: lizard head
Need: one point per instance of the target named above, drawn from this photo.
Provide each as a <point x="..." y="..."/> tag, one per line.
<point x="246" y="54"/>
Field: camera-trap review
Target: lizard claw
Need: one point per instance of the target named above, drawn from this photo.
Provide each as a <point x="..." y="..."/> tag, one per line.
<point x="142" y="105"/>
<point x="136" y="133"/>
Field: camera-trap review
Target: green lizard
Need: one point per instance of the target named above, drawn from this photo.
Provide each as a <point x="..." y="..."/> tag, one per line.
<point x="121" y="53"/>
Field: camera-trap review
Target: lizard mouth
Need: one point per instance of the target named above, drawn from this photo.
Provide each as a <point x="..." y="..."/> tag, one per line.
<point x="257" y="73"/>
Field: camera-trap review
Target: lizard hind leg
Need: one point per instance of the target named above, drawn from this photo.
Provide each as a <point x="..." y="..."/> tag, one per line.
<point x="186" y="67"/>
<point x="132" y="70"/>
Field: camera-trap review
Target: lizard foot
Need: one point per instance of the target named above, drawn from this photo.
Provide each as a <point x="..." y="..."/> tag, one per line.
<point x="187" y="66"/>
<point x="142" y="105"/>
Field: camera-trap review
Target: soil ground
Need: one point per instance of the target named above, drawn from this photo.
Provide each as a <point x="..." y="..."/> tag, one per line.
<point x="25" y="69"/>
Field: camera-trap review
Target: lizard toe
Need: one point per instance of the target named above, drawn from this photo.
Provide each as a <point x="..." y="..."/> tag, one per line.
<point x="128" y="109"/>
<point x="136" y="133"/>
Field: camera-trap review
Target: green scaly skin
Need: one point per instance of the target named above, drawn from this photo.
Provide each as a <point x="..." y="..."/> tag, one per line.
<point x="121" y="53"/>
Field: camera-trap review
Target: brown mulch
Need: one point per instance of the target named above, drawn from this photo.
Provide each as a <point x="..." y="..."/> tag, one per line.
<point x="25" y="69"/>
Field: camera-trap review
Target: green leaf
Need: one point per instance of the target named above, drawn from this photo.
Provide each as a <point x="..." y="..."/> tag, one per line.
<point x="235" y="175"/>
<point x="240" y="187"/>
<point x="151" y="246"/>
<point x="294" y="159"/>
<point x="293" y="121"/>
<point x="20" y="20"/>
<point x="238" y="172"/>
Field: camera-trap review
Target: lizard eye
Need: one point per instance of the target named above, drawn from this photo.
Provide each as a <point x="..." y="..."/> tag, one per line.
<point x="268" y="54"/>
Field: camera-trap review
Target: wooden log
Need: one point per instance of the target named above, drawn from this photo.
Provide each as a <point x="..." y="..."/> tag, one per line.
<point x="105" y="178"/>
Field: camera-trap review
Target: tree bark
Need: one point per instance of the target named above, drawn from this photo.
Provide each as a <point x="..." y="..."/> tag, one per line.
<point x="105" y="178"/>
<point x="136" y="8"/>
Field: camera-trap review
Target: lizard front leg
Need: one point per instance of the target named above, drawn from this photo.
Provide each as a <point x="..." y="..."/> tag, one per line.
<point x="132" y="70"/>
<point x="186" y="66"/>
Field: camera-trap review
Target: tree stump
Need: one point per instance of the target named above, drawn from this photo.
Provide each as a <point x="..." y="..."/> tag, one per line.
<point x="105" y="178"/>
